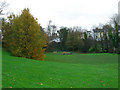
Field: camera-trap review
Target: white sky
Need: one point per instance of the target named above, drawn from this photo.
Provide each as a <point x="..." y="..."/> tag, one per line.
<point x="84" y="13"/>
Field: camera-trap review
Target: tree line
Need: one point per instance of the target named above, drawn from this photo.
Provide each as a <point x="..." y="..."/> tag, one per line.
<point x="105" y="39"/>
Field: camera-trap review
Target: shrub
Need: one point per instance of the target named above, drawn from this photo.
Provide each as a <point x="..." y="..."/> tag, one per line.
<point x="23" y="36"/>
<point x="91" y="49"/>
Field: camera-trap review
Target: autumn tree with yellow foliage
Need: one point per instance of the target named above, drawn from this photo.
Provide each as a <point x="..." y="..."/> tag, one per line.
<point x="24" y="37"/>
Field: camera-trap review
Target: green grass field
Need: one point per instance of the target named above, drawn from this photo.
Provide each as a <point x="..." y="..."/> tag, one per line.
<point x="61" y="71"/>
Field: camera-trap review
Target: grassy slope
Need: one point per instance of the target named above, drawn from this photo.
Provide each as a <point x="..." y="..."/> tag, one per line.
<point x="62" y="71"/>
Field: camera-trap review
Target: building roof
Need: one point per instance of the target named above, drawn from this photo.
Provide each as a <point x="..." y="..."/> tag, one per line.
<point x="98" y="30"/>
<point x="55" y="40"/>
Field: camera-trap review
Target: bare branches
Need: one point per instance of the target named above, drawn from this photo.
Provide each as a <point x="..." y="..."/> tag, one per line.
<point x="3" y="5"/>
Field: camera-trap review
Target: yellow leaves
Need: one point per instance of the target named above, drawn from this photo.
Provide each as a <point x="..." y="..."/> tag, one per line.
<point x="21" y="31"/>
<point x="25" y="38"/>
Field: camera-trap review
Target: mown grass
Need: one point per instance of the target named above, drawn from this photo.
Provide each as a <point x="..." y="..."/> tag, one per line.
<point x="61" y="71"/>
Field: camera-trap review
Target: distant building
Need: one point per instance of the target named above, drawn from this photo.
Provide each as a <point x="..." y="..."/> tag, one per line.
<point x="54" y="38"/>
<point x="57" y="40"/>
<point x="98" y="33"/>
<point x="82" y="35"/>
<point x="89" y="34"/>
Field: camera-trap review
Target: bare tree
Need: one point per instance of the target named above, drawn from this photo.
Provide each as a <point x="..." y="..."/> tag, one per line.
<point x="49" y="28"/>
<point x="3" y="5"/>
<point x="115" y="18"/>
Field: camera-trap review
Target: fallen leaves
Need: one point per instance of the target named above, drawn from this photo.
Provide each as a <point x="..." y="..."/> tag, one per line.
<point x="40" y="83"/>
<point x="10" y="87"/>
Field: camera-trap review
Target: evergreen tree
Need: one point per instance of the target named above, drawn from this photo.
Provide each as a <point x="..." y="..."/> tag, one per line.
<point x="63" y="37"/>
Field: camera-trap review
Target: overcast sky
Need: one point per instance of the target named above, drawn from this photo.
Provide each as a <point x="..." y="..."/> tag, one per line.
<point x="84" y="13"/>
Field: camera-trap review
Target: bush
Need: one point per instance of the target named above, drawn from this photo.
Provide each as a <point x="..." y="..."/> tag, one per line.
<point x="23" y="36"/>
<point x="91" y="49"/>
